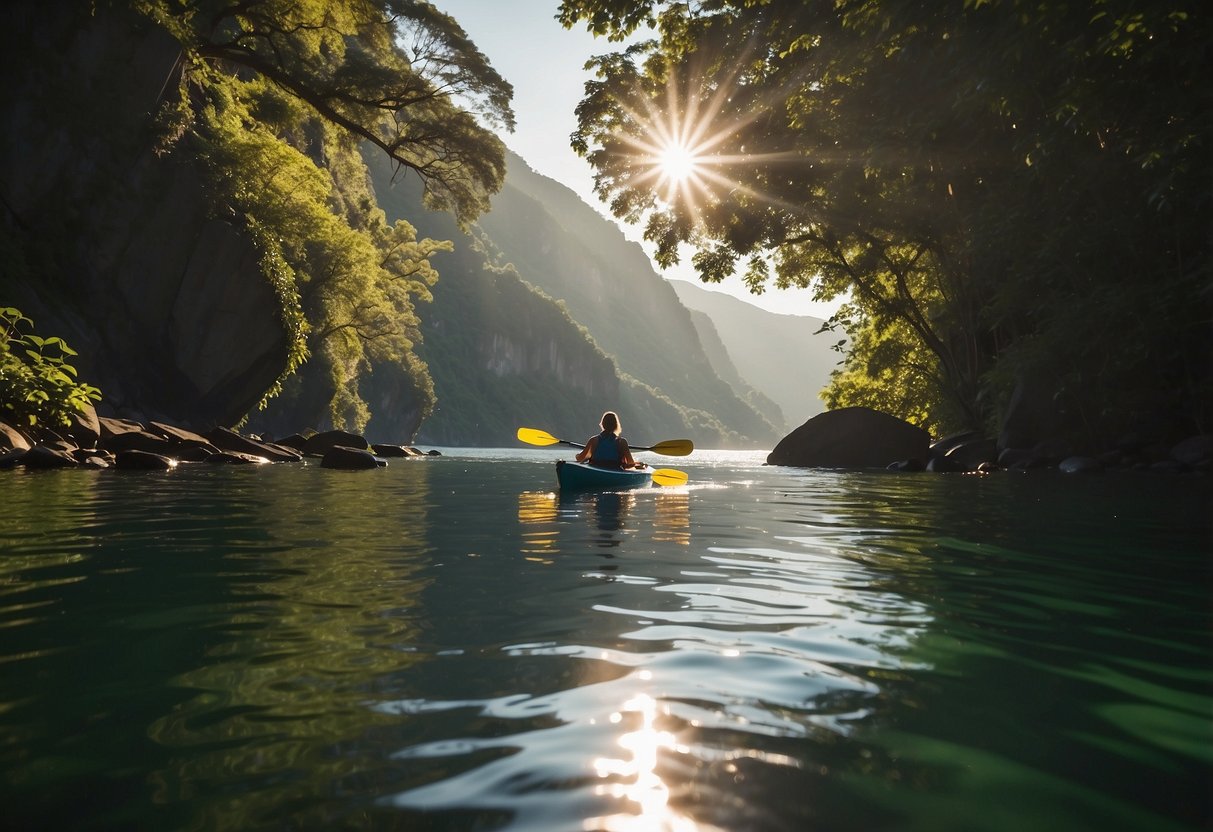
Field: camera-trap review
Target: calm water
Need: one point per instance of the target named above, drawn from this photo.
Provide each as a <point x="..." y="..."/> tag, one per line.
<point x="446" y="644"/>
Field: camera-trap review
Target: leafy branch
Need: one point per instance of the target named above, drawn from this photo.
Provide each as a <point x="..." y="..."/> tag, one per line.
<point x="37" y="384"/>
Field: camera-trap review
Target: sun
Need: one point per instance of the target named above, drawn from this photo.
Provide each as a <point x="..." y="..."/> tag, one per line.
<point x="678" y="163"/>
<point x="684" y="150"/>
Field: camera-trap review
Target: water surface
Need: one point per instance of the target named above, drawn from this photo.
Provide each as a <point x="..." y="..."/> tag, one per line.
<point x="449" y="644"/>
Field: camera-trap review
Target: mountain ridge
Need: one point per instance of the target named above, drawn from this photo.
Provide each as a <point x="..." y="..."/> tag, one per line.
<point x="539" y="296"/>
<point x="761" y="361"/>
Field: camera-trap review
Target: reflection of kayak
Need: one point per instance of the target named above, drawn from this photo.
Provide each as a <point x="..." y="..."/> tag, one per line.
<point x="579" y="475"/>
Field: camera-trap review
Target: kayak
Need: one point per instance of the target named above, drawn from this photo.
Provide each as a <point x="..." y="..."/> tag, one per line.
<point x="574" y="476"/>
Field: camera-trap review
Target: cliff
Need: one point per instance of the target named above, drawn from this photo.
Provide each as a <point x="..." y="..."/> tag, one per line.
<point x="112" y="246"/>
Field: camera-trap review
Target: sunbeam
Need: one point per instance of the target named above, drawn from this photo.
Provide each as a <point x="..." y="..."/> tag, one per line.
<point x="688" y="152"/>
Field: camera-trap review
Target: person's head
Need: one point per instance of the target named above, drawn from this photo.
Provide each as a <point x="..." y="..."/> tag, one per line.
<point x="610" y="422"/>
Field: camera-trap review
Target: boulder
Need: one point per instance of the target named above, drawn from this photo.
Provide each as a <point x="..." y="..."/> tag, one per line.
<point x="143" y="461"/>
<point x="851" y="437"/>
<point x="970" y="453"/>
<point x="85" y="428"/>
<point x="228" y="440"/>
<point x="350" y="459"/>
<point x="45" y="456"/>
<point x="319" y="444"/>
<point x="180" y="436"/>
<point x="140" y="440"/>
<point x="12" y="439"/>
<point x="110" y="427"/>
<point x="941" y="447"/>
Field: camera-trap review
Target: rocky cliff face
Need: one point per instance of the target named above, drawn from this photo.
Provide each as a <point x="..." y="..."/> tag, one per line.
<point x="166" y="305"/>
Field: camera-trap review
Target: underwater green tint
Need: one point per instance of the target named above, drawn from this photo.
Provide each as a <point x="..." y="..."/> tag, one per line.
<point x="449" y="644"/>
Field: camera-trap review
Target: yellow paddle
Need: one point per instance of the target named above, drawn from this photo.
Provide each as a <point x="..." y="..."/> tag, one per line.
<point x="670" y="447"/>
<point x="668" y="476"/>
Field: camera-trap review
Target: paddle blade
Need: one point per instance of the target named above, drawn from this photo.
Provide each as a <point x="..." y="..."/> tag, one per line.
<point x="668" y="476"/>
<point x="672" y="447"/>
<point x="531" y="436"/>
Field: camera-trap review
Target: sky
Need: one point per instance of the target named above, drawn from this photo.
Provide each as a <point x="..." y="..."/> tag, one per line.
<point x="544" y="62"/>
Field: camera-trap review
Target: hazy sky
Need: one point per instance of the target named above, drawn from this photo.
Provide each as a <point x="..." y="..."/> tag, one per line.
<point x="544" y="62"/>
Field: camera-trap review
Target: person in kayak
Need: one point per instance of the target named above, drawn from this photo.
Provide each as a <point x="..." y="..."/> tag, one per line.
<point x="608" y="449"/>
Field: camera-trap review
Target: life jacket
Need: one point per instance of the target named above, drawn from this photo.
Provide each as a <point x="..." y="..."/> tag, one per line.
<point x="606" y="451"/>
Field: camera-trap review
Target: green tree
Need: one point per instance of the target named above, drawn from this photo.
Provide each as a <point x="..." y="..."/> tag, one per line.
<point x="275" y="100"/>
<point x="993" y="186"/>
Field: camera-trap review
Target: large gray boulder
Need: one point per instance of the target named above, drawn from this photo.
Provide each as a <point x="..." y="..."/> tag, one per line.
<point x="851" y="437"/>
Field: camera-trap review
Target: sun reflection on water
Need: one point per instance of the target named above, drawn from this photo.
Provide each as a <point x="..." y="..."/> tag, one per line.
<point x="638" y="781"/>
<point x="543" y="516"/>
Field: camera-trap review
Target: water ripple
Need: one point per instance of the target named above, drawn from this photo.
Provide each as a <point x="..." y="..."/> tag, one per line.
<point x="445" y="645"/>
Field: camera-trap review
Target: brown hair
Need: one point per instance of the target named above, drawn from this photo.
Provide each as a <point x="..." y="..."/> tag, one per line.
<point x="610" y="422"/>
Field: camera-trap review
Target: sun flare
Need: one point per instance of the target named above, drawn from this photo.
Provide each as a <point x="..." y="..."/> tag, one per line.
<point x="678" y="163"/>
<point x="679" y="148"/>
<point x="686" y="146"/>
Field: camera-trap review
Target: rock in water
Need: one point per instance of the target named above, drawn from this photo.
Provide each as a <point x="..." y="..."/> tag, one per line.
<point x="319" y="444"/>
<point x="851" y="437"/>
<point x="350" y="459"/>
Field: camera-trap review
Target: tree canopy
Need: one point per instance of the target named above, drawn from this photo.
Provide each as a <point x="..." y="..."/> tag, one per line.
<point x="998" y="189"/>
<point x="276" y="99"/>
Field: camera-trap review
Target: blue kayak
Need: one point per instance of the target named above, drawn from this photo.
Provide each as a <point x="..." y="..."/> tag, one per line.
<point x="581" y="476"/>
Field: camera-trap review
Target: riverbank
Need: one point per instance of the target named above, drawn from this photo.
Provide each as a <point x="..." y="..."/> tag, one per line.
<point x="94" y="441"/>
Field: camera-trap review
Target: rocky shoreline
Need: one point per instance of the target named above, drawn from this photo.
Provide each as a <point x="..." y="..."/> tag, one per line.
<point x="94" y="441"/>
<point x="854" y="438"/>
<point x="858" y="437"/>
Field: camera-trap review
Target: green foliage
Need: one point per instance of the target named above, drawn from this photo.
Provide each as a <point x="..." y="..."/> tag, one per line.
<point x="400" y="75"/>
<point x="38" y="386"/>
<point x="999" y="189"/>
<point x="889" y="370"/>
<point x="275" y="100"/>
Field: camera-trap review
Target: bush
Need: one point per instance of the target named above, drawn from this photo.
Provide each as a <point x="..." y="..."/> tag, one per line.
<point x="37" y="384"/>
